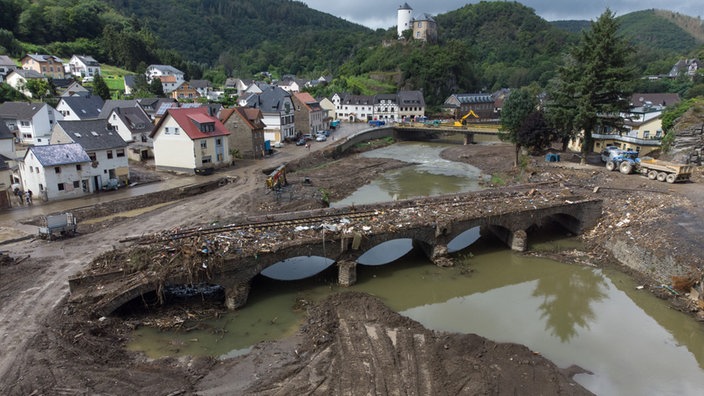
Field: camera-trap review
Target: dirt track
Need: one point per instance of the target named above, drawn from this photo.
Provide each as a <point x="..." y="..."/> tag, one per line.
<point x="48" y="348"/>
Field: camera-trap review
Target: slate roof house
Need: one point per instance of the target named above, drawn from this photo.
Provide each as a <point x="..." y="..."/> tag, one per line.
<point x="18" y="78"/>
<point x="246" y="128"/>
<point x="80" y="107"/>
<point x="57" y="171"/>
<point x="277" y="108"/>
<point x="190" y="140"/>
<point x="47" y="65"/>
<point x="309" y="116"/>
<point x="353" y="108"/>
<point x="411" y="105"/>
<point x="83" y="66"/>
<point x="481" y="103"/>
<point x="104" y="146"/>
<point x="31" y="123"/>
<point x="6" y="66"/>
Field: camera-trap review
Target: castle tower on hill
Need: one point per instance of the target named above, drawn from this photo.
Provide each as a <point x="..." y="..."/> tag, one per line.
<point x="404" y="17"/>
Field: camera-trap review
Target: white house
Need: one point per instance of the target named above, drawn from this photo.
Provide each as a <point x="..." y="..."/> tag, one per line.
<point x="18" y="78"/>
<point x="31" y="123"/>
<point x="353" y="108"/>
<point x="74" y="108"/>
<point x="167" y="74"/>
<point x="6" y="66"/>
<point x="189" y="140"/>
<point x="105" y="148"/>
<point x="83" y="66"/>
<point x="57" y="171"/>
<point x="131" y="123"/>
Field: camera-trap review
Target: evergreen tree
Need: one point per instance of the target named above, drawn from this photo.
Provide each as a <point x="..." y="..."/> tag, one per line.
<point x="156" y="87"/>
<point x="100" y="88"/>
<point x="517" y="107"/>
<point x="594" y="83"/>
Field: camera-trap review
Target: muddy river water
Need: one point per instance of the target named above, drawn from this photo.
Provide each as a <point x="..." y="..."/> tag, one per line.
<point x="630" y="341"/>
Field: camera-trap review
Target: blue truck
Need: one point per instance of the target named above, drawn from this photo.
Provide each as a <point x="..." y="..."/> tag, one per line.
<point x="376" y="123"/>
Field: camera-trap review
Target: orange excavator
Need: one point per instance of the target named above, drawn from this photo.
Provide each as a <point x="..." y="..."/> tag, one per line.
<point x="462" y="121"/>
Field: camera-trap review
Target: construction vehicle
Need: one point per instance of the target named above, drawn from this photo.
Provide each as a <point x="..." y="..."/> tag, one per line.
<point x="462" y="121"/>
<point x="628" y="162"/>
<point x="664" y="171"/>
<point x="615" y="158"/>
<point x="277" y="178"/>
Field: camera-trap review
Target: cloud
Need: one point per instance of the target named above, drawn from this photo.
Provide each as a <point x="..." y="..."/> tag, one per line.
<point x="382" y="13"/>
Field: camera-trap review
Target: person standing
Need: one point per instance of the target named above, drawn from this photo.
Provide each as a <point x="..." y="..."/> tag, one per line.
<point x="29" y="195"/>
<point x="20" y="196"/>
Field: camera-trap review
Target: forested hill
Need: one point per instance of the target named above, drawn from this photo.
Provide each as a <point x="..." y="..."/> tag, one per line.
<point x="243" y="34"/>
<point x="509" y="35"/>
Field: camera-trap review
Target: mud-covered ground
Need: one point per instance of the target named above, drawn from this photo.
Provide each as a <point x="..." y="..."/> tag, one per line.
<point x="351" y="343"/>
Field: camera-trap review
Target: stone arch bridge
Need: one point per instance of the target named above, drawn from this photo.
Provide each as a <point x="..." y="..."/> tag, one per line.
<point x="231" y="256"/>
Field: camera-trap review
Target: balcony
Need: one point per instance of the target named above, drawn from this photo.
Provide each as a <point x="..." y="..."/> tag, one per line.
<point x="654" y="141"/>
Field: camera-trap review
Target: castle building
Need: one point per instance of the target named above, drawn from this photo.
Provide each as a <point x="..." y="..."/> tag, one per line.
<point x="424" y="27"/>
<point x="404" y="17"/>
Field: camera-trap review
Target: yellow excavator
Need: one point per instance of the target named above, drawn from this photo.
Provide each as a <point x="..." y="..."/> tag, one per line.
<point x="461" y="121"/>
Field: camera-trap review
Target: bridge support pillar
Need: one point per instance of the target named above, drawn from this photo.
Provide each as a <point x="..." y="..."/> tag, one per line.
<point x="236" y="295"/>
<point x="519" y="241"/>
<point x="439" y="256"/>
<point x="468" y="138"/>
<point x="347" y="273"/>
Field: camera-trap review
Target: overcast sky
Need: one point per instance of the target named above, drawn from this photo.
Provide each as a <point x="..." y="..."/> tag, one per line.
<point x="382" y="13"/>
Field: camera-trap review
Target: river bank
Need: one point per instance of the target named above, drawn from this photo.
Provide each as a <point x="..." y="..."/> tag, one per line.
<point x="80" y="354"/>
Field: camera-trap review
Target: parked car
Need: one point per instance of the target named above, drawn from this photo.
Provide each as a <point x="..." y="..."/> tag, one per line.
<point x="321" y="137"/>
<point x="301" y="142"/>
<point x="278" y="144"/>
<point x="608" y="153"/>
<point x="308" y="136"/>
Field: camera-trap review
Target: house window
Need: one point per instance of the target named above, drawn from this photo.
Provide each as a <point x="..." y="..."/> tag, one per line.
<point x="24" y="123"/>
<point x="31" y="170"/>
<point x="60" y="186"/>
<point x="120" y="153"/>
<point x="204" y="144"/>
<point x="218" y="142"/>
<point x="76" y="184"/>
<point x="646" y="134"/>
<point x="92" y="157"/>
<point x="109" y="154"/>
<point x="78" y="167"/>
<point x="41" y="187"/>
<point x="57" y="169"/>
<point x="207" y="160"/>
<point x="176" y="131"/>
<point x="36" y="169"/>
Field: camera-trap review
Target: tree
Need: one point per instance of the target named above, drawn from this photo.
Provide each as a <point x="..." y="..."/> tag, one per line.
<point x="100" y="88"/>
<point x="535" y="133"/>
<point x="517" y="107"/>
<point x="156" y="87"/>
<point x="593" y="85"/>
<point x="38" y="87"/>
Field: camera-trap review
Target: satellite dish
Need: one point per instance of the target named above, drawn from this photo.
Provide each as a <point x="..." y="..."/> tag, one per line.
<point x="640" y="99"/>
